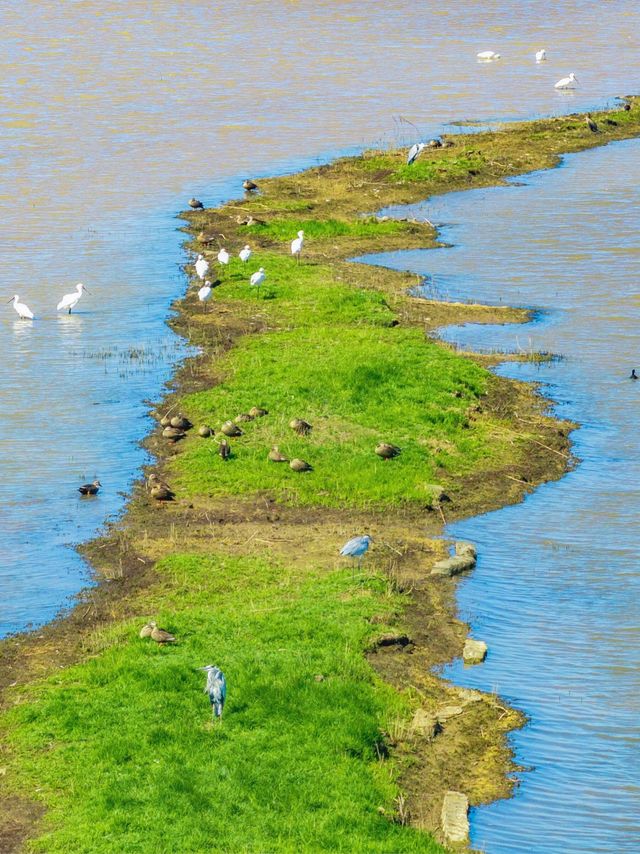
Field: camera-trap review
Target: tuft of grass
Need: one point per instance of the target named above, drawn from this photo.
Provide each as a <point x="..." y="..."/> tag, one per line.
<point x="324" y="229"/>
<point x="123" y="754"/>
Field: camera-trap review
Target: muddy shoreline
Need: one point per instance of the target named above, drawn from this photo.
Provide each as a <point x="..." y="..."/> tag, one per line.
<point x="468" y="750"/>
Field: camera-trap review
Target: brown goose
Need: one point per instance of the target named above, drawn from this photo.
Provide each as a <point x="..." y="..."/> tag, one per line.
<point x="90" y="488"/>
<point x="249" y="185"/>
<point x="205" y="431"/>
<point x="196" y="205"/>
<point x="225" y="449"/>
<point x="231" y="429"/>
<point x="275" y="456"/>
<point x="181" y="422"/>
<point x="173" y="433"/>
<point x="244" y="416"/>
<point x="302" y="428"/>
<point x="300" y="465"/>
<point x="160" y="635"/>
<point x="258" y="412"/>
<point x="387" y="451"/>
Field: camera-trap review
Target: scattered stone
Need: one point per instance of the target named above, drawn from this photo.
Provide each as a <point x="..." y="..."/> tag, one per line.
<point x="447" y="712"/>
<point x="425" y="724"/>
<point x="474" y="652"/>
<point x="454" y="817"/>
<point x="469" y="695"/>
<point x="453" y="565"/>
<point x="463" y="548"/>
<point x="391" y="639"/>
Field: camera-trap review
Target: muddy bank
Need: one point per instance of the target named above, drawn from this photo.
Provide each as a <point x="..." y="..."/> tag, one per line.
<point x="453" y="740"/>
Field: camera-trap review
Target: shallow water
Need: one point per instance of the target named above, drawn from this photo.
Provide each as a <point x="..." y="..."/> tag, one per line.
<point x="556" y="593"/>
<point x="114" y="114"/>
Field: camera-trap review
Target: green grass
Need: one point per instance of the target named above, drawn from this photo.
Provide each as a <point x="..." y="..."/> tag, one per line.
<point x="124" y="757"/>
<point x="316" y="229"/>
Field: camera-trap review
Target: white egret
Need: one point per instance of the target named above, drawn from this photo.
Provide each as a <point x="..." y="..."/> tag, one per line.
<point x="202" y="267"/>
<point x="487" y="55"/>
<point x="245" y="254"/>
<point x="70" y="301"/>
<point x="258" y="278"/>
<point x="566" y="82"/>
<point x="223" y="256"/>
<point x="415" y="150"/>
<point x="204" y="293"/>
<point x="24" y="312"/>
<point x="541" y="55"/>
<point x="296" y="245"/>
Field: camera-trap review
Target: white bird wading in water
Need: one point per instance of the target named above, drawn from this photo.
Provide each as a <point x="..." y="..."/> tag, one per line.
<point x="70" y="301"/>
<point x="24" y="312"/>
<point x="566" y="82"/>
<point x="296" y="245"/>
<point x="216" y="688"/>
<point x="541" y="55"/>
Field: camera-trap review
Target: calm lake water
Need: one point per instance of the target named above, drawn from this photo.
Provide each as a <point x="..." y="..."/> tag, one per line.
<point x="114" y="114"/>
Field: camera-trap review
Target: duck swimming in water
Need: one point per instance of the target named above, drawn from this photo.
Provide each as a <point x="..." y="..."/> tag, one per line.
<point x="634" y="376"/>
<point x="90" y="488"/>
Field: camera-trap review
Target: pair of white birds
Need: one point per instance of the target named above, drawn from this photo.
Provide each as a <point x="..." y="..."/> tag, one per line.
<point x="67" y="302"/>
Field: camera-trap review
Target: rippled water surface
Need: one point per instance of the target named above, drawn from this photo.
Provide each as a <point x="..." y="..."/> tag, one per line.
<point x="556" y="594"/>
<point x="113" y="114"/>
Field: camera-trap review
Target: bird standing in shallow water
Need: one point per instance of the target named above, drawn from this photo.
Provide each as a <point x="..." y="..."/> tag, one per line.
<point x="244" y="254"/>
<point x="296" y="245"/>
<point x="566" y="82"/>
<point x="70" y="301"/>
<point x="24" y="312"/>
<point x="593" y="127"/>
<point x="202" y="267"/>
<point x="634" y="376"/>
<point x="90" y="488"/>
<point x="541" y="55"/>
<point x="216" y="688"/>
<point x="487" y="55"/>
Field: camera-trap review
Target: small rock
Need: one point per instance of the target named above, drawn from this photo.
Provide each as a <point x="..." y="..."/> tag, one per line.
<point x="462" y="548"/>
<point x="469" y="695"/>
<point x="454" y="820"/>
<point x="425" y="724"/>
<point x="453" y="565"/>
<point x="447" y="712"/>
<point x="474" y="651"/>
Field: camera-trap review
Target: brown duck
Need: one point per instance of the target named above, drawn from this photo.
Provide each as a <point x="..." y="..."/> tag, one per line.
<point x="244" y="416"/>
<point x="224" y="450"/>
<point x="90" y="488"/>
<point x="165" y="421"/>
<point x="145" y="631"/>
<point x="181" y="422"/>
<point x="160" y="635"/>
<point x="196" y="205"/>
<point x="249" y="185"/>
<point x="231" y="429"/>
<point x="258" y="412"/>
<point x="300" y="465"/>
<point x="173" y="433"/>
<point x="302" y="428"/>
<point x="276" y="457"/>
<point x="159" y="489"/>
<point x="387" y="451"/>
<point x="205" y="431"/>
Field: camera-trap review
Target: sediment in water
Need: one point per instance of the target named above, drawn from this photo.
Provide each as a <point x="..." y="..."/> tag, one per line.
<point x="445" y="738"/>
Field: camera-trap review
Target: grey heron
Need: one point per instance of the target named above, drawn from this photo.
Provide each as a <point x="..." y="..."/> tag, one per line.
<point x="216" y="688"/>
<point x="593" y="127"/>
<point x="415" y="150"/>
<point x="356" y="548"/>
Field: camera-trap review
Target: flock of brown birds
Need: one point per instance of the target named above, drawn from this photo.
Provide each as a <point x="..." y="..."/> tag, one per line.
<point x="176" y="427"/>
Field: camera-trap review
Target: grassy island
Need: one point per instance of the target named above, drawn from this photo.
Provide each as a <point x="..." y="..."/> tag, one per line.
<point x="337" y="735"/>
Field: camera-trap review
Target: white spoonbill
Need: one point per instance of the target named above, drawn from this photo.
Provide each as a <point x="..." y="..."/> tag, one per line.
<point x="296" y="245"/>
<point x="202" y="267"/>
<point x="487" y="55"/>
<point x="245" y="254"/>
<point x="204" y="293"/>
<point x="566" y="82"/>
<point x="70" y="301"/>
<point x="24" y="312"/>
<point x="415" y="151"/>
<point x="223" y="256"/>
<point x="258" y="278"/>
<point x="541" y="55"/>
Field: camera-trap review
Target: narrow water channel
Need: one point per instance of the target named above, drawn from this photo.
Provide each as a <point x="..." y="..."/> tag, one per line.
<point x="556" y="593"/>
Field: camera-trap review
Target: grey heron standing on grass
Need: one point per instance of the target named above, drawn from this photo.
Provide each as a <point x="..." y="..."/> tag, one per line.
<point x="356" y="548"/>
<point x="216" y="688"/>
<point x="415" y="150"/>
